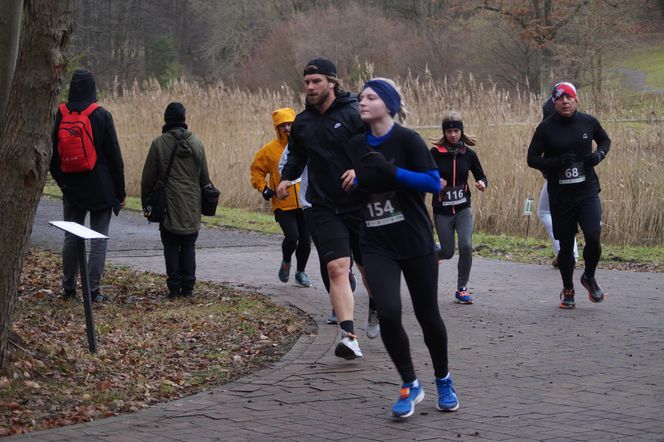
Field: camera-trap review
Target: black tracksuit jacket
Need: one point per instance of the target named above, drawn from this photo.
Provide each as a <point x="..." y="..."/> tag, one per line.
<point x="320" y="142"/>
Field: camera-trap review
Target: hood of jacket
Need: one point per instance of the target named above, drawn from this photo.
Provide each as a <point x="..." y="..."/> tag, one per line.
<point x="279" y="117"/>
<point x="176" y="136"/>
<point x="82" y="87"/>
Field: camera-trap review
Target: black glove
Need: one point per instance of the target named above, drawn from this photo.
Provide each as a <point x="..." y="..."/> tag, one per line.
<point x="567" y="159"/>
<point x="268" y="193"/>
<point x="378" y="161"/>
<point x="593" y="159"/>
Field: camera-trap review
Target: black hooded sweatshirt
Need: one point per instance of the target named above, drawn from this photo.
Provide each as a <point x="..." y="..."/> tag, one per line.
<point x="104" y="186"/>
<point x="320" y="141"/>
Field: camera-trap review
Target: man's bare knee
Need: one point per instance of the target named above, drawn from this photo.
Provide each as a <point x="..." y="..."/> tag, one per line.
<point x="338" y="268"/>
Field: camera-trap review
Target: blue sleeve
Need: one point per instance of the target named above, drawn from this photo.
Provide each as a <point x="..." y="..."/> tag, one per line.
<point x="420" y="181"/>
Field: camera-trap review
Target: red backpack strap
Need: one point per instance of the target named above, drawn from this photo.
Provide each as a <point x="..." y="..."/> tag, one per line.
<point x="63" y="108"/>
<point x="90" y="109"/>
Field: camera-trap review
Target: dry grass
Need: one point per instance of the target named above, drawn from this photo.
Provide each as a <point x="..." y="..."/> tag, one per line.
<point x="233" y="124"/>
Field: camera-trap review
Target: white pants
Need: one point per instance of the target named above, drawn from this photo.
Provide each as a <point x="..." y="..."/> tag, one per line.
<point x="544" y="214"/>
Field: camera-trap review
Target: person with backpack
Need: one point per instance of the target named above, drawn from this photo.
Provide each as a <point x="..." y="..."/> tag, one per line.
<point x="87" y="166"/>
<point x="451" y="208"/>
<point x="177" y="161"/>
<point x="287" y="212"/>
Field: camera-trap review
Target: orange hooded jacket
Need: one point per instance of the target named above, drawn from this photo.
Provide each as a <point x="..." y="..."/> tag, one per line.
<point x="266" y="162"/>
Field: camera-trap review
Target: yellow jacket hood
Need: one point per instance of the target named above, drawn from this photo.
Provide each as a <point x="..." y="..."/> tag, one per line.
<point x="281" y="116"/>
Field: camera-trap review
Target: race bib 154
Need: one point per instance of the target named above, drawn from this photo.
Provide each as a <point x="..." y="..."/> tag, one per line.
<point x="382" y="209"/>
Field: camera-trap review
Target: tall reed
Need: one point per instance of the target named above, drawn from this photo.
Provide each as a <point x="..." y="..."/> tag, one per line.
<point x="233" y="124"/>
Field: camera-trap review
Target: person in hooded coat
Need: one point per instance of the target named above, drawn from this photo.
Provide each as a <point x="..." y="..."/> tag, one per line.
<point x="98" y="192"/>
<point x="287" y="212"/>
<point x="189" y="172"/>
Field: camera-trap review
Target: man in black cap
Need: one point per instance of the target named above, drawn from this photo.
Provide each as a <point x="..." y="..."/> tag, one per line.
<point x="319" y="139"/>
<point x="188" y="173"/>
<point x="96" y="186"/>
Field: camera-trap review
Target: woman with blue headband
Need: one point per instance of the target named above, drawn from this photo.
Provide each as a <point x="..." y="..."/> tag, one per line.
<point x="393" y="170"/>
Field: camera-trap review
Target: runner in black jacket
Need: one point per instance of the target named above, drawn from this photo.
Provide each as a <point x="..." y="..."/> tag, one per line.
<point x="394" y="170"/>
<point x="451" y="208"/>
<point x="319" y="138"/>
<point x="562" y="148"/>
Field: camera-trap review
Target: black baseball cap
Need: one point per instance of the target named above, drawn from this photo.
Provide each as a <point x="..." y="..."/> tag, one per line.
<point x="321" y="66"/>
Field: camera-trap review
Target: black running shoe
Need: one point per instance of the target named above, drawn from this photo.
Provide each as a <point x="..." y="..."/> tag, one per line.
<point x="595" y="293"/>
<point x="98" y="297"/>
<point x="567" y="299"/>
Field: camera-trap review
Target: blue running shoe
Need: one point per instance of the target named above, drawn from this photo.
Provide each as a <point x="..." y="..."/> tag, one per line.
<point x="302" y="279"/>
<point x="410" y="395"/>
<point x="462" y="296"/>
<point x="284" y="271"/>
<point x="447" y="398"/>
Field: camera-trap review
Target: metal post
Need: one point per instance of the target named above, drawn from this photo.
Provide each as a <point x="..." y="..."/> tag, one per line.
<point x="528" y="227"/>
<point x="87" y="296"/>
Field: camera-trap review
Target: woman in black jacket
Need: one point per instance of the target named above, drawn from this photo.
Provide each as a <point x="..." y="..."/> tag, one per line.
<point x="392" y="172"/>
<point x="452" y="213"/>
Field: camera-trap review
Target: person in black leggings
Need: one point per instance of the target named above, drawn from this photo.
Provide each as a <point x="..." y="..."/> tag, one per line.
<point x="392" y="170"/>
<point x="562" y="148"/>
<point x="265" y="176"/>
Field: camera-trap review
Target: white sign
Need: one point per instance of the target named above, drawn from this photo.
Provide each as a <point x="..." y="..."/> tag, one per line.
<point x="77" y="230"/>
<point x="528" y="207"/>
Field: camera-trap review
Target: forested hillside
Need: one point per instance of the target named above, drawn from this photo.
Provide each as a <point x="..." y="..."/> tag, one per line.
<point x="263" y="43"/>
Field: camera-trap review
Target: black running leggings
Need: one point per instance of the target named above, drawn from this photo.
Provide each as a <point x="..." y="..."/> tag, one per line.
<point x="296" y="236"/>
<point x="421" y="274"/>
<point x="588" y="214"/>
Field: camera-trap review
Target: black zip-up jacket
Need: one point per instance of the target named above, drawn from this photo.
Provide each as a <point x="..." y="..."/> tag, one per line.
<point x="320" y="142"/>
<point x="104" y="186"/>
<point x="558" y="135"/>
<point x="454" y="166"/>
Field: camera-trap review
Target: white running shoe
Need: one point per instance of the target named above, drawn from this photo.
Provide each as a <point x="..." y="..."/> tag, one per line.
<point x="348" y="348"/>
<point x="372" y="327"/>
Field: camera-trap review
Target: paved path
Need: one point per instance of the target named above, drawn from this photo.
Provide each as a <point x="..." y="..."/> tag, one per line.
<point x="524" y="369"/>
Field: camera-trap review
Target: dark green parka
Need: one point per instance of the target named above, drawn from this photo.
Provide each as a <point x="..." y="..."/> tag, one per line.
<point x="183" y="189"/>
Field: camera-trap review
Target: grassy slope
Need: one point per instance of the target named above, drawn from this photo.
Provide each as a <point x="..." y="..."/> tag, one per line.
<point x="502" y="247"/>
<point x="650" y="61"/>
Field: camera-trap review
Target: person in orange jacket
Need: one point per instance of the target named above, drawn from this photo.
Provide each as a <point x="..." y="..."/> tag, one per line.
<point x="287" y="212"/>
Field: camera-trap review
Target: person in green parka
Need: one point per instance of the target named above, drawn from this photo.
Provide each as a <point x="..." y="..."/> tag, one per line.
<point x="188" y="174"/>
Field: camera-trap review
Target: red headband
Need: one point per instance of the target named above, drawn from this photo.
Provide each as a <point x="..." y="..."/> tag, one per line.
<point x="564" y="89"/>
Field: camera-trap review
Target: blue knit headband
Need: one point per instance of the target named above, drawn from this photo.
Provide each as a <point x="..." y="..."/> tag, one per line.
<point x="387" y="93"/>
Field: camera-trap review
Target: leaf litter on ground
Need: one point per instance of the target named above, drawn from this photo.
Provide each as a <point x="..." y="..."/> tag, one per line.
<point x="150" y="350"/>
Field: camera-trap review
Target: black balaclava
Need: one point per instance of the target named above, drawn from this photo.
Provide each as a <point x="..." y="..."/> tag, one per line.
<point x="174" y="116"/>
<point x="82" y="88"/>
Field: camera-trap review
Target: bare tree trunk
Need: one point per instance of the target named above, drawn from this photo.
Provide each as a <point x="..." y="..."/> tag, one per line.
<point x="25" y="139"/>
<point x="10" y="31"/>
